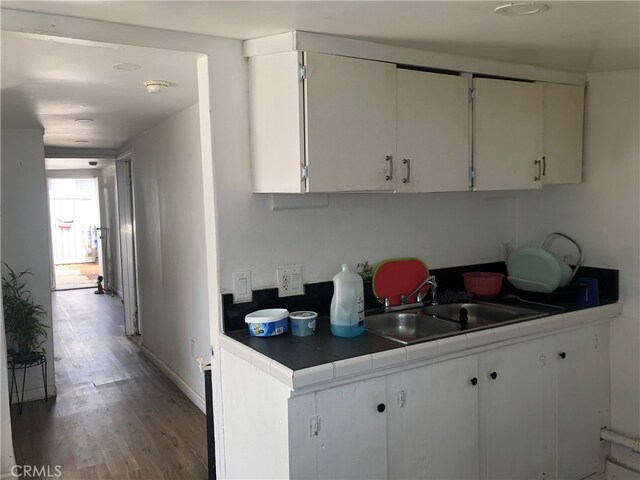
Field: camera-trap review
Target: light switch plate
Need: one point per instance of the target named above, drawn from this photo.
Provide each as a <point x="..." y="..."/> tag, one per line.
<point x="290" y="281"/>
<point x="242" y="287"/>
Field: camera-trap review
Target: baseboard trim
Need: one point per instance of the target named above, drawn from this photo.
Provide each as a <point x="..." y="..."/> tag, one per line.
<point x="616" y="471"/>
<point x="184" y="387"/>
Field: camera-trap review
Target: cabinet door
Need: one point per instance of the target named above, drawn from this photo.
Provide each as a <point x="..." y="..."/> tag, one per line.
<point x="352" y="437"/>
<point x="583" y="400"/>
<point x="350" y="129"/>
<point x="507" y="135"/>
<point x="276" y="116"/>
<point x="432" y="421"/>
<point x="434" y="132"/>
<point x="562" y="133"/>
<point x="518" y="411"/>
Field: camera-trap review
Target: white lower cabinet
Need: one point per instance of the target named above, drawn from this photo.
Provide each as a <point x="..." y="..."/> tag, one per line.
<point x="582" y="401"/>
<point x="517" y="410"/>
<point x="352" y="432"/>
<point x="432" y="421"/>
<point x="526" y="410"/>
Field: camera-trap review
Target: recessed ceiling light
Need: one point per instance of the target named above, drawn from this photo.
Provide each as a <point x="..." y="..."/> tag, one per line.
<point x="81" y="141"/>
<point x="522" y="8"/>
<point x="156" y="86"/>
<point x="127" y="67"/>
<point x="84" y="120"/>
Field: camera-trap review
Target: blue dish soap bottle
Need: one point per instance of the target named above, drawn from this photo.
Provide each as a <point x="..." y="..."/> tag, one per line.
<point x="347" y="304"/>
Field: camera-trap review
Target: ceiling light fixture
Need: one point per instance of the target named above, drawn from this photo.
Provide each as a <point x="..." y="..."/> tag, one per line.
<point x="522" y="8"/>
<point x="126" y="67"/>
<point x="84" y="120"/>
<point x="156" y="86"/>
<point x="81" y="141"/>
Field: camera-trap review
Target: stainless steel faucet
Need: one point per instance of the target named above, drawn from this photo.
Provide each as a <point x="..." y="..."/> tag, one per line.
<point x="431" y="281"/>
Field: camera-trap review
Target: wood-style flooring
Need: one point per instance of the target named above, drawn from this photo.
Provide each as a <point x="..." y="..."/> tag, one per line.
<point x="116" y="416"/>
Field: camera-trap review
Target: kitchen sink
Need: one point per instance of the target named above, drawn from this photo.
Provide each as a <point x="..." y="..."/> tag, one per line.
<point x="436" y="321"/>
<point x="483" y="313"/>
<point x="409" y="327"/>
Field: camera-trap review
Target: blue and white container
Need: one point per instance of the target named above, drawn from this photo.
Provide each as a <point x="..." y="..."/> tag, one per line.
<point x="267" y="323"/>
<point x="303" y="323"/>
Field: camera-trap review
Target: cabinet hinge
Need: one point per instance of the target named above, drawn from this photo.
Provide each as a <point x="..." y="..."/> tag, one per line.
<point x="472" y="95"/>
<point x="302" y="72"/>
<point x="314" y="426"/>
<point x="472" y="176"/>
<point x="402" y="398"/>
<point x="304" y="172"/>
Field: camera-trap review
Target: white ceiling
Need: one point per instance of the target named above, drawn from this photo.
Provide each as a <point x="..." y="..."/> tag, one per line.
<point x="77" y="163"/>
<point x="51" y="83"/>
<point x="578" y="36"/>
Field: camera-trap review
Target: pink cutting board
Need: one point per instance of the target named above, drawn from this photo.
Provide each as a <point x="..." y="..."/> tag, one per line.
<point x="396" y="277"/>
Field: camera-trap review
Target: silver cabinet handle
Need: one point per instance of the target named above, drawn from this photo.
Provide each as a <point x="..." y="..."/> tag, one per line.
<point x="389" y="158"/>
<point x="407" y="162"/>
<point x="544" y="166"/>
<point x="539" y="164"/>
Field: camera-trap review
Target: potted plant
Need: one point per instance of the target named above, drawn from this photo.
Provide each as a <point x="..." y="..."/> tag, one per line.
<point x="366" y="272"/>
<point x="23" y="318"/>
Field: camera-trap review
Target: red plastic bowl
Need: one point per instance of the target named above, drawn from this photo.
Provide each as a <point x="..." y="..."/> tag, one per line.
<point x="483" y="285"/>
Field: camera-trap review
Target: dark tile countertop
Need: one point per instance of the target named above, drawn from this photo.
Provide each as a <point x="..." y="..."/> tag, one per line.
<point x="298" y="353"/>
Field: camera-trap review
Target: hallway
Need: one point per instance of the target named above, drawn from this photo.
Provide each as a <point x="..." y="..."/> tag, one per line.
<point x="116" y="416"/>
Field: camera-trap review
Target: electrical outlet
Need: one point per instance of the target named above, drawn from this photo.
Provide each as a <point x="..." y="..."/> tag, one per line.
<point x="242" y="287"/>
<point x="290" y="281"/>
<point x="506" y="250"/>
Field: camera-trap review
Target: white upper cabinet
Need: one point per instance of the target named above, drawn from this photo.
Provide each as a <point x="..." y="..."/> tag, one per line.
<point x="507" y="135"/>
<point x="329" y="123"/>
<point x="277" y="128"/>
<point x="563" y="126"/>
<point x="433" y="132"/>
<point x="350" y="113"/>
<point x="322" y="123"/>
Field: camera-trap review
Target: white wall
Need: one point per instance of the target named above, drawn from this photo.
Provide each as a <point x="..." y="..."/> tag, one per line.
<point x="603" y="214"/>
<point x="442" y="229"/>
<point x="25" y="233"/>
<point x="169" y="212"/>
<point x="7" y="456"/>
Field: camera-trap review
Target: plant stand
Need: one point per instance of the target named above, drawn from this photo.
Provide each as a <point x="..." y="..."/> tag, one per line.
<point x="23" y="362"/>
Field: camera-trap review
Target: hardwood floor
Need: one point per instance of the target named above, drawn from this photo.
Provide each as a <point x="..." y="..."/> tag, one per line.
<point x="116" y="416"/>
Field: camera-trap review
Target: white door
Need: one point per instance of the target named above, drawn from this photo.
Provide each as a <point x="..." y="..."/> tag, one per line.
<point x="350" y="123"/>
<point x="507" y="134"/>
<point x="432" y="421"/>
<point x="352" y="437"/>
<point x="434" y="132"/>
<point x="127" y="247"/>
<point x="583" y="400"/>
<point x="518" y="411"/>
<point x="562" y="137"/>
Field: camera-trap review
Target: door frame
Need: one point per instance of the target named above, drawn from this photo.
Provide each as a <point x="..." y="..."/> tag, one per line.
<point x="128" y="246"/>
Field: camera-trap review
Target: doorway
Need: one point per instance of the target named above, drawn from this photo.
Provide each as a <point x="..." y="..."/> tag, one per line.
<point x="74" y="208"/>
